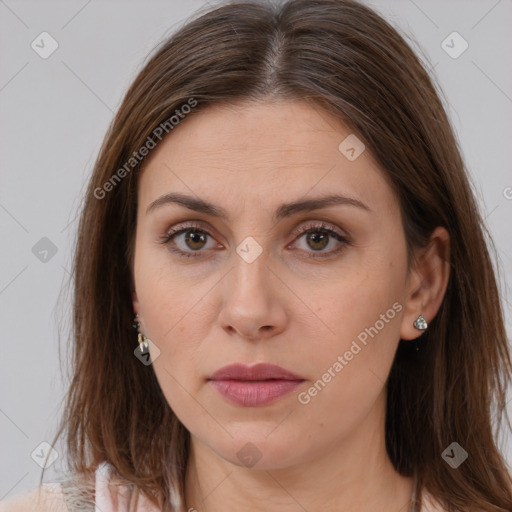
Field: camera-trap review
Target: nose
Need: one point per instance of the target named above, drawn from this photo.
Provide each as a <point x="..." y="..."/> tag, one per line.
<point x="253" y="301"/>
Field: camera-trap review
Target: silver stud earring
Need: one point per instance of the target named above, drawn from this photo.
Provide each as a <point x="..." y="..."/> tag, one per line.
<point x="143" y="341"/>
<point x="420" y="323"/>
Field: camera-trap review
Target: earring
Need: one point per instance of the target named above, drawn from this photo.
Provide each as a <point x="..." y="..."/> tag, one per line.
<point x="420" y="323"/>
<point x="143" y="341"/>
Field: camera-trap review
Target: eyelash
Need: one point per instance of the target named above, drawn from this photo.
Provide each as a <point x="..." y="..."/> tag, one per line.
<point x="310" y="228"/>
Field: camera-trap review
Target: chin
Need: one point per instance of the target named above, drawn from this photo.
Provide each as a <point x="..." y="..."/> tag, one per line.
<point x="259" y="450"/>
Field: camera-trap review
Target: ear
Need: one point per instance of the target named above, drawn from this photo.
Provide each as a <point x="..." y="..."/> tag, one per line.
<point x="427" y="282"/>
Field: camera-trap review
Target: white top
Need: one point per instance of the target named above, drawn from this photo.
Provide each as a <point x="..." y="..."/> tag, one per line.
<point x="66" y="497"/>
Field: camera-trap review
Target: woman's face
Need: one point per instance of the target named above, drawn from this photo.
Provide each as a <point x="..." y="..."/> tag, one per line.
<point x="316" y="289"/>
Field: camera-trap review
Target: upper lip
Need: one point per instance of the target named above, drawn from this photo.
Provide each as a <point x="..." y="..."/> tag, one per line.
<point x="257" y="372"/>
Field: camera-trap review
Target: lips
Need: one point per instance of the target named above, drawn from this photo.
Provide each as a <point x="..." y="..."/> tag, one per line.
<point x="256" y="385"/>
<point x="258" y="372"/>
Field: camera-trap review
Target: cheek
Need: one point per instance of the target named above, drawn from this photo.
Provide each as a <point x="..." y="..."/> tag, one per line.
<point x="363" y="312"/>
<point x="359" y="299"/>
<point x="174" y="326"/>
<point x="175" y="319"/>
<point x="161" y="306"/>
<point x="158" y="289"/>
<point x="350" y="370"/>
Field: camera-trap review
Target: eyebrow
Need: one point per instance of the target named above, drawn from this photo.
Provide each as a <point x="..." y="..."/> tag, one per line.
<point x="283" y="211"/>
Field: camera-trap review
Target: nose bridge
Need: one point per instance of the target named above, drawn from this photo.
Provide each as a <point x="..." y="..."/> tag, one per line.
<point x="249" y="304"/>
<point x="253" y="247"/>
<point x="250" y="275"/>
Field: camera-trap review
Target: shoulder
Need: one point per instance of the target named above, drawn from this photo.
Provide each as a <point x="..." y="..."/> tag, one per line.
<point x="105" y="490"/>
<point x="45" y="498"/>
<point x="75" y="492"/>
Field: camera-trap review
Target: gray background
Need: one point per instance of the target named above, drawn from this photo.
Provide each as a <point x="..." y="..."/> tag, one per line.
<point x="54" y="114"/>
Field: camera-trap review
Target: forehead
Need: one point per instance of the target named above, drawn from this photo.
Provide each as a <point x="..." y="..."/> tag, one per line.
<point x="256" y="153"/>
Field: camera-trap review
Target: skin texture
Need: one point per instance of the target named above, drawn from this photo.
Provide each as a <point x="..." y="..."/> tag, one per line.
<point x="284" y="308"/>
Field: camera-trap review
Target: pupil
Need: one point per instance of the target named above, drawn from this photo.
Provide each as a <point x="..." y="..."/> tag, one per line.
<point x="194" y="237"/>
<point x="318" y="238"/>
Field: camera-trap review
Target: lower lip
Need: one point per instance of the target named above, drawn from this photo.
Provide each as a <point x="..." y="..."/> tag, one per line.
<point x="254" y="393"/>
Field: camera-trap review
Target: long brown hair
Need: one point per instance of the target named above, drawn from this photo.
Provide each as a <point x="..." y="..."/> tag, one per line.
<point x="344" y="58"/>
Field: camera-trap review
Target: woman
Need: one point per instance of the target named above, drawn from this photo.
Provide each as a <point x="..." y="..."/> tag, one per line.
<point x="281" y="211"/>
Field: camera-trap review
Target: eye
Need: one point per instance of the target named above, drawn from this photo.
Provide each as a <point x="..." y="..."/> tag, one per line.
<point x="189" y="240"/>
<point x="192" y="242"/>
<point x="318" y="237"/>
